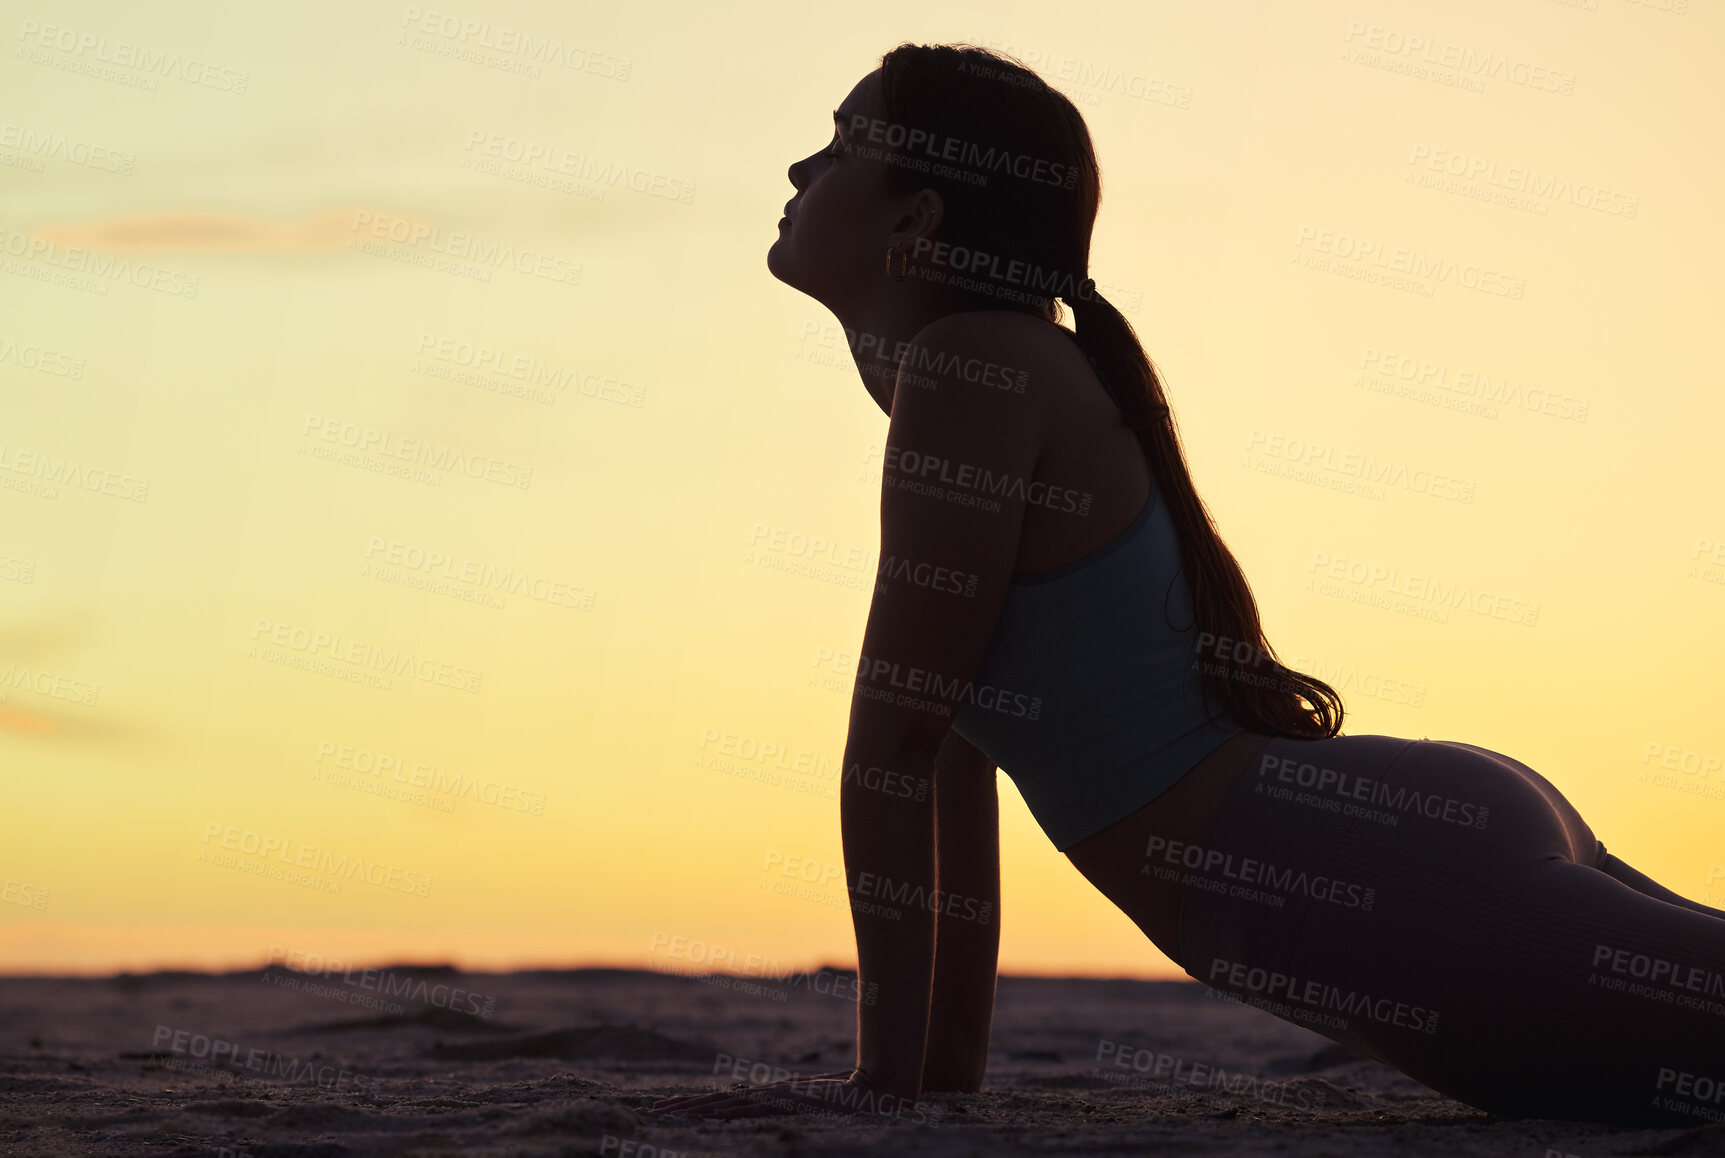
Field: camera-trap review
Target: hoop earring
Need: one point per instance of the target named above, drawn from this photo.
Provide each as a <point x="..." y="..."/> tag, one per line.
<point x="904" y="266"/>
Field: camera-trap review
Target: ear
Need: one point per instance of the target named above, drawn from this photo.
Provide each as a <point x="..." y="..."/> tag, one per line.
<point x="920" y="219"/>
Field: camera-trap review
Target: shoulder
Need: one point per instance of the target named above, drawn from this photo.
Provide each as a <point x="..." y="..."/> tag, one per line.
<point x="1004" y="350"/>
<point x="1005" y="329"/>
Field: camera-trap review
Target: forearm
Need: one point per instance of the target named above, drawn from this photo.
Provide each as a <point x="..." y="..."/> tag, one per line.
<point x="888" y="835"/>
<point x="962" y="1008"/>
<point x="967" y="933"/>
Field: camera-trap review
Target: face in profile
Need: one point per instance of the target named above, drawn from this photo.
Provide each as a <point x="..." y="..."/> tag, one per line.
<point x="833" y="239"/>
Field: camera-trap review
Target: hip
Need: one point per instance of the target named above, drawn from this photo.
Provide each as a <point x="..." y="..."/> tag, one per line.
<point x="1114" y="860"/>
<point x="1333" y="826"/>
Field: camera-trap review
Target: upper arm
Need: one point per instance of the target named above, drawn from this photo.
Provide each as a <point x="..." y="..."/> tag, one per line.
<point x="963" y="759"/>
<point x="959" y="461"/>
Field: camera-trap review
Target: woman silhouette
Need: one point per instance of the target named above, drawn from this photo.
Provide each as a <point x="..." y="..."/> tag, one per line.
<point x="1054" y="599"/>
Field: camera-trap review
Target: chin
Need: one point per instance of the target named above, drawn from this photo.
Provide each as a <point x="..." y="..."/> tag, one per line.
<point x="776" y="259"/>
<point x="781" y="265"/>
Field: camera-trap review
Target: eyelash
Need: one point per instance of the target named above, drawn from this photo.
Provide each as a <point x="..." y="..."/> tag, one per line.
<point x="833" y="149"/>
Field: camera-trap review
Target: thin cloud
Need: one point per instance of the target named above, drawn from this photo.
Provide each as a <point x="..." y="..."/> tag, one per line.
<point x="17" y="720"/>
<point x="323" y="232"/>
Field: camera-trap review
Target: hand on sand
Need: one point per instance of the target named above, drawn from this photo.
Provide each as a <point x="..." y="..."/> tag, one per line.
<point x="845" y="1092"/>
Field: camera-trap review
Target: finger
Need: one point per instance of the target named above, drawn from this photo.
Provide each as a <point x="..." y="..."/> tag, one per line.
<point x="691" y="1110"/>
<point x="753" y="1103"/>
<point x="751" y="1111"/>
<point x="697" y="1099"/>
<point x="759" y="1108"/>
<point x="708" y="1106"/>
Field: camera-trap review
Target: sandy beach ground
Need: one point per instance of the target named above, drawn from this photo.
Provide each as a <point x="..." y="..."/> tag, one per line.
<point x="430" y="1061"/>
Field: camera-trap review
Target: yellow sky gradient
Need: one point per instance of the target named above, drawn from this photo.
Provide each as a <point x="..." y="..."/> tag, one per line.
<point x="366" y="494"/>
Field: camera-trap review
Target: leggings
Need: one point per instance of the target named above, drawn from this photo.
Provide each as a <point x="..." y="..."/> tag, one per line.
<point x="1442" y="908"/>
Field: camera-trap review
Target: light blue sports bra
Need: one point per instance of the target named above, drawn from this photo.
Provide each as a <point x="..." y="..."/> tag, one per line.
<point x="1095" y="706"/>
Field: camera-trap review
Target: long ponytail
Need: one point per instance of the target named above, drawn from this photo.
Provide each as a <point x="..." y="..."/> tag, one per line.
<point x="1258" y="689"/>
<point x="1008" y="127"/>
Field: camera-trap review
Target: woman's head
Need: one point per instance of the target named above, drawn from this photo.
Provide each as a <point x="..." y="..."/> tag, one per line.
<point x="965" y="167"/>
<point x="958" y="174"/>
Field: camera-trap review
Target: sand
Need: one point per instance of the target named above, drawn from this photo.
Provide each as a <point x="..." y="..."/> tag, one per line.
<point x="429" y="1061"/>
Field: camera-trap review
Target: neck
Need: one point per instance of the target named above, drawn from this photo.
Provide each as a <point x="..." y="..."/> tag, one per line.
<point x="879" y="328"/>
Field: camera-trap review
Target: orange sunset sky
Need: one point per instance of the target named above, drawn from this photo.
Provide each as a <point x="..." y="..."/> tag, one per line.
<point x="255" y="261"/>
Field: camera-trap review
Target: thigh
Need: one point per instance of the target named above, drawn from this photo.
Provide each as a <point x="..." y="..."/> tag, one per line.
<point x="1499" y="965"/>
<point x="1353" y="822"/>
<point x="1557" y="991"/>
<point x="1491" y="958"/>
